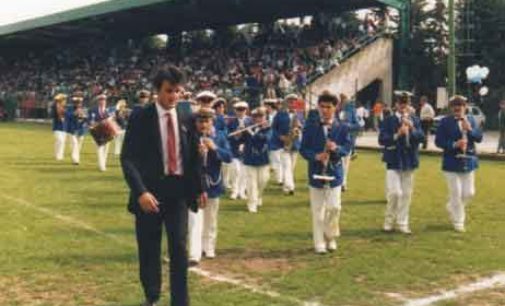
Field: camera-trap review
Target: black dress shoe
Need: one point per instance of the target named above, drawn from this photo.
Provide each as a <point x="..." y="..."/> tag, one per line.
<point x="193" y="263"/>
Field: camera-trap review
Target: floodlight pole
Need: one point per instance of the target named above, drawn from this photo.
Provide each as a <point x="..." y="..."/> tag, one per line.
<point x="451" y="62"/>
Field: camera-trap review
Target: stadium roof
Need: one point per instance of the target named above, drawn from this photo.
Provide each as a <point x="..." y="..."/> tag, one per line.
<point x="134" y="18"/>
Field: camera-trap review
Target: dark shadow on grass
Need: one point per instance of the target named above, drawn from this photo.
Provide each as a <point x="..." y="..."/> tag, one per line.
<point x="373" y="234"/>
<point x="287" y="236"/>
<point x="80" y="260"/>
<point x="366" y="202"/>
<point x="437" y="228"/>
<point x="244" y="254"/>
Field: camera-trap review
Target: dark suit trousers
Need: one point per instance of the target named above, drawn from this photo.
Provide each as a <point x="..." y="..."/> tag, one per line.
<point x="426" y="126"/>
<point x="174" y="216"/>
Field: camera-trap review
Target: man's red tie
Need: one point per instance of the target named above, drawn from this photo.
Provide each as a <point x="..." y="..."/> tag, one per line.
<point x="171" y="147"/>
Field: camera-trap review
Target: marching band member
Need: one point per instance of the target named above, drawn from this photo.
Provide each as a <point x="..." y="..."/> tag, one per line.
<point x="143" y="100"/>
<point x="77" y="126"/>
<point x="275" y="143"/>
<point x="256" y="160"/>
<point x="324" y="143"/>
<point x="238" y="173"/>
<point x="457" y="135"/>
<point x="205" y="98"/>
<point x="219" y="107"/>
<point x="220" y="123"/>
<point x="215" y="150"/>
<point x="347" y="115"/>
<point x="289" y="128"/>
<point x="59" y="125"/>
<point x="121" y="116"/>
<point x="400" y="134"/>
<point x="98" y="114"/>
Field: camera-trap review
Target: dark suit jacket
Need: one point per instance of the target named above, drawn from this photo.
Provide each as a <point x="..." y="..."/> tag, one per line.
<point x="142" y="159"/>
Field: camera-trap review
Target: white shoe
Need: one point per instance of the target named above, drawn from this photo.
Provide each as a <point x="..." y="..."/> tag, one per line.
<point x="388" y="228"/>
<point x="210" y="254"/>
<point x="321" y="251"/>
<point x="252" y="210"/>
<point x="233" y="197"/>
<point x="332" y="245"/>
<point x="243" y="197"/>
<point x="405" y="230"/>
<point x="459" y="228"/>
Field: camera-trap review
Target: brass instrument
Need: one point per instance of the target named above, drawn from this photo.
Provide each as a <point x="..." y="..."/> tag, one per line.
<point x="249" y="129"/>
<point x="295" y="131"/>
<point x="60" y="110"/>
<point x="406" y="122"/>
<point x="324" y="172"/>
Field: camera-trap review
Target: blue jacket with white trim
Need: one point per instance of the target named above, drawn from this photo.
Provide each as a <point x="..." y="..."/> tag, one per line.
<point x="448" y="133"/>
<point x="314" y="142"/>
<point x="398" y="153"/>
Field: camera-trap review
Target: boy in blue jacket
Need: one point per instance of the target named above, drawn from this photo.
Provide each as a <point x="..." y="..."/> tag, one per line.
<point x="457" y="135"/>
<point x="256" y="160"/>
<point x="76" y="127"/>
<point x="289" y="127"/>
<point x="59" y="125"/>
<point x="400" y="135"/>
<point x="215" y="150"/>
<point x="324" y="143"/>
<point x="241" y="120"/>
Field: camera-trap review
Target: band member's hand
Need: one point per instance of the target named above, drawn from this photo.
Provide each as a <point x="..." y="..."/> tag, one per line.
<point x="209" y="143"/>
<point x="462" y="144"/>
<point x="202" y="203"/>
<point x="403" y="130"/>
<point x="148" y="203"/>
<point x="331" y="146"/>
<point x="465" y="124"/>
<point x="265" y="124"/>
<point x="202" y="149"/>
<point x="323" y="157"/>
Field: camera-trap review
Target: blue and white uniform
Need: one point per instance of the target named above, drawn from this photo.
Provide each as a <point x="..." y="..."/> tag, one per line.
<point x="275" y="146"/>
<point x="325" y="195"/>
<point x="458" y="166"/>
<point x="238" y="189"/>
<point x="77" y="126"/>
<point x="203" y="224"/>
<point x="59" y="128"/>
<point x="256" y="162"/>
<point x="96" y="115"/>
<point x="286" y="122"/>
<point x="401" y="156"/>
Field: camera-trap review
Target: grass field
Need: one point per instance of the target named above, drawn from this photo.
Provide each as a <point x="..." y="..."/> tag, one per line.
<point x="67" y="239"/>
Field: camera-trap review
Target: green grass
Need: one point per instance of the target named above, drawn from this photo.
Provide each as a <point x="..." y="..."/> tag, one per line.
<point x="47" y="261"/>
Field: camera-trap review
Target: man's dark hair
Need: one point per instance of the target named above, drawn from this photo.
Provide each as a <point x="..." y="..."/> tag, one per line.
<point x="326" y="96"/>
<point x="172" y="75"/>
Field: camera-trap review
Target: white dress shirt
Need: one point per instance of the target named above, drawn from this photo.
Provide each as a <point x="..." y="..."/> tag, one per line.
<point x="162" y="117"/>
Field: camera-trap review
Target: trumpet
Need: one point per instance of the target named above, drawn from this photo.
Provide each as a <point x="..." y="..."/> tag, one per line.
<point x="294" y="133"/>
<point x="250" y="129"/>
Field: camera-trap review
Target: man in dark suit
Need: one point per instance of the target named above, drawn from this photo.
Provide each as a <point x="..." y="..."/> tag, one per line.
<point x="161" y="165"/>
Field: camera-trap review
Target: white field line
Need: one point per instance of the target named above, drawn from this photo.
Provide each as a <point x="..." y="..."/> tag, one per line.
<point x="198" y="271"/>
<point x="498" y="280"/>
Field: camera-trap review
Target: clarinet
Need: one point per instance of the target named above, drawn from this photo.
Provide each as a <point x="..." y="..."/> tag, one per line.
<point x="405" y="120"/>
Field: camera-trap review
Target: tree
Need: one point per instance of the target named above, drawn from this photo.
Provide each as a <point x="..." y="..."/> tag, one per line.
<point x="428" y="46"/>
